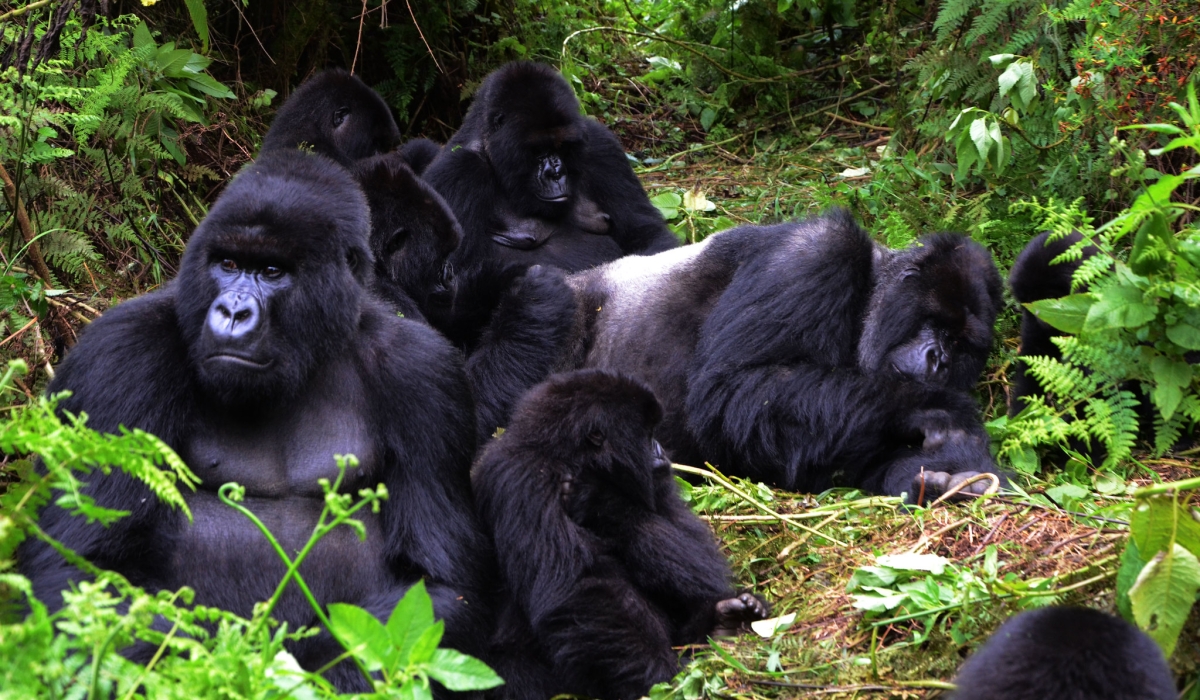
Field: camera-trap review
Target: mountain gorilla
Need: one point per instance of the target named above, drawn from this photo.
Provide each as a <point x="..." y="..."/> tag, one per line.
<point x="1067" y="654"/>
<point x="532" y="180"/>
<point x="1033" y="278"/>
<point x="413" y="235"/>
<point x="335" y="114"/>
<point x="263" y="359"/>
<point x="603" y="565"/>
<point x="803" y="354"/>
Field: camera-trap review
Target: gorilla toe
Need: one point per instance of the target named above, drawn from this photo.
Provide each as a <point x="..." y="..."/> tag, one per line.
<point x="734" y="615"/>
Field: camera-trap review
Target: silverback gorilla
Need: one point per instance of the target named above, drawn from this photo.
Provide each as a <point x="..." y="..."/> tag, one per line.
<point x="1066" y="654"/>
<point x="263" y="359"/>
<point x="532" y="180"/>
<point x="803" y="354"/>
<point x="604" y="566"/>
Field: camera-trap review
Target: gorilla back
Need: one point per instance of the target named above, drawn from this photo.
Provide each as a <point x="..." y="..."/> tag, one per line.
<point x="263" y="359"/>
<point x="803" y="354"/>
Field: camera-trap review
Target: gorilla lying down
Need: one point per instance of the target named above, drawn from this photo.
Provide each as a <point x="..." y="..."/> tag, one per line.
<point x="265" y="357"/>
<point x="604" y="567"/>
<point x="803" y="354"/>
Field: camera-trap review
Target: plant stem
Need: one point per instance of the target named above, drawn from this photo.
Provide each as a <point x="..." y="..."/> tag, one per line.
<point x="1159" y="489"/>
<point x="13" y="14"/>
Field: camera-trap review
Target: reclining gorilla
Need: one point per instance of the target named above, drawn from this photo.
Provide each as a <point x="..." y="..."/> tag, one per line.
<point x="263" y="359"/>
<point x="805" y="355"/>
<point x="532" y="180"/>
<point x="1067" y="654"/>
<point x="604" y="566"/>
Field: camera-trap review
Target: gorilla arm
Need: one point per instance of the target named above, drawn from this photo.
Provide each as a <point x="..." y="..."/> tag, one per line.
<point x="609" y="181"/>
<point x="128" y="369"/>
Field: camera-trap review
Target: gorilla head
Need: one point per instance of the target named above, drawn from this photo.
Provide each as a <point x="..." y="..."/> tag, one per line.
<point x="337" y="115"/>
<point x="602" y="425"/>
<point x="413" y="234"/>
<point x="534" y="134"/>
<point x="275" y="276"/>
<point x="932" y="311"/>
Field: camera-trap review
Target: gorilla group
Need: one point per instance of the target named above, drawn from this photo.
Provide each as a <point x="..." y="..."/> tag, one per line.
<point x="317" y="312"/>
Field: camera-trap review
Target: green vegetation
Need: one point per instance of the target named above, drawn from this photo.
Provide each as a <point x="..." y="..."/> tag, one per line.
<point x="1001" y="118"/>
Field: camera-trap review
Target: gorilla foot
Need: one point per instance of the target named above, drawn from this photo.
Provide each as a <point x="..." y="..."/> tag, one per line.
<point x="930" y="486"/>
<point x="734" y="615"/>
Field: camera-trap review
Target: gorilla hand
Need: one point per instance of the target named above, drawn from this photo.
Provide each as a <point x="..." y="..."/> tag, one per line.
<point x="734" y="615"/>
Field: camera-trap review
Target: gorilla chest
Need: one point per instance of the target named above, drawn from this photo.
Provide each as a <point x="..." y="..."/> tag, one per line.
<point x="284" y="454"/>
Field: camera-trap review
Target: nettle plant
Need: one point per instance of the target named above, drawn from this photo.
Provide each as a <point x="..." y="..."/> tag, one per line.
<point x="1131" y="323"/>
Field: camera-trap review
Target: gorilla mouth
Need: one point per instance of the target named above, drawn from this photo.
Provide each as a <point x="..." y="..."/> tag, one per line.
<point x="559" y="198"/>
<point x="238" y="361"/>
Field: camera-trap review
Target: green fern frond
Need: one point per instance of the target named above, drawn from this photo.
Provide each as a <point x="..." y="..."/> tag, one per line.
<point x="950" y="17"/>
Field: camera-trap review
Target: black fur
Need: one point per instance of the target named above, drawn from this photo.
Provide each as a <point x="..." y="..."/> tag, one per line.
<point x="419" y="153"/>
<point x="803" y="354"/>
<point x="335" y="114"/>
<point x="1066" y="654"/>
<point x="489" y="174"/>
<point x="603" y="565"/>
<point x="413" y="236"/>
<point x="1032" y="279"/>
<point x="324" y="369"/>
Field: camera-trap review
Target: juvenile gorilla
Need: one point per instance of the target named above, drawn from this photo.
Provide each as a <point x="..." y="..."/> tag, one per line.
<point x="803" y="354"/>
<point x="532" y="180"/>
<point x="335" y="114"/>
<point x="603" y="565"/>
<point x="413" y="235"/>
<point x="1066" y="654"/>
<point x="263" y="359"/>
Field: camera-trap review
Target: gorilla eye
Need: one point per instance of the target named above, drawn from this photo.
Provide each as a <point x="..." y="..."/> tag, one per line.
<point x="340" y="116"/>
<point x="596" y="437"/>
<point x="272" y="273"/>
<point x="497" y="119"/>
<point x="229" y="265"/>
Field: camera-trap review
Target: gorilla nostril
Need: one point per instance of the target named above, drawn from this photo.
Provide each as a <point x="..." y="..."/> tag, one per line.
<point x="241" y="315"/>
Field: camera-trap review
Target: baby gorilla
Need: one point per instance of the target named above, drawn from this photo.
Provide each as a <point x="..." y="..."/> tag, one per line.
<point x="1067" y="654"/>
<point x="604" y="567"/>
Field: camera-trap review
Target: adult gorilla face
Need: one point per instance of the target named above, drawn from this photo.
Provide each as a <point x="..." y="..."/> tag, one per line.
<point x="931" y="312"/>
<point x="275" y="277"/>
<point x="535" y="138"/>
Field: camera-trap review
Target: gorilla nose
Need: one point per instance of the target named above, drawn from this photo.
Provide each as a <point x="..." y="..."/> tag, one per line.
<point x="233" y="315"/>
<point x="935" y="359"/>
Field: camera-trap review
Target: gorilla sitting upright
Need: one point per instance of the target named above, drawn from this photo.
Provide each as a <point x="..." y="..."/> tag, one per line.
<point x="263" y="359"/>
<point x="604" y="567"/>
<point x="533" y="181"/>
<point x="805" y="355"/>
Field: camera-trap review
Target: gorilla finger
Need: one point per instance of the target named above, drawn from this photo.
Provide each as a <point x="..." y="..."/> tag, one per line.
<point x="931" y="484"/>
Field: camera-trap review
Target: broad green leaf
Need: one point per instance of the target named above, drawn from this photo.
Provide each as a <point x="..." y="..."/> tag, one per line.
<point x="410" y="618"/>
<point x="142" y="36"/>
<point x="458" y="671"/>
<point x="1163" y="595"/>
<point x="868" y="576"/>
<point x="707" y="116"/>
<point x="1119" y="306"/>
<point x="981" y="137"/>
<point x="1019" y="75"/>
<point x="879" y="602"/>
<point x="932" y="563"/>
<point x="1158" y="522"/>
<point x="668" y="204"/>
<point x="209" y="86"/>
<point x="285" y="673"/>
<point x="363" y="635"/>
<point x="1065" y="493"/>
<point x="1132" y="564"/>
<point x="1001" y="58"/>
<point x="426" y="643"/>
<point x="1066" y="314"/>
<point x="1171" y="376"/>
<point x="1185" y="335"/>
<point x="415" y="689"/>
<point x="199" y="20"/>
